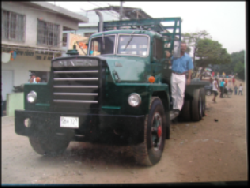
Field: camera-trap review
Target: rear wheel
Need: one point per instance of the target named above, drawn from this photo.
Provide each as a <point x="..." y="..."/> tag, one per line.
<point x="203" y="101"/>
<point x="196" y="105"/>
<point x="156" y="126"/>
<point x="185" y="111"/>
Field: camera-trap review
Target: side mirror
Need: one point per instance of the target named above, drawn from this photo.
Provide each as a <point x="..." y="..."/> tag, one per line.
<point x="177" y="49"/>
<point x="153" y="59"/>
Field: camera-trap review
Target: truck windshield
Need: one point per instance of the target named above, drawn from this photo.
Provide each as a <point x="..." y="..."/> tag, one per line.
<point x="133" y="45"/>
<point x="96" y="45"/>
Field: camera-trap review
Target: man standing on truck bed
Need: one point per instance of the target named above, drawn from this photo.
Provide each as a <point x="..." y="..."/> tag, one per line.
<point x="180" y="66"/>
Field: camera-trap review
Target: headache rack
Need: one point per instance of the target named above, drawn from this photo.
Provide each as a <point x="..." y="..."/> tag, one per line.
<point x="152" y="24"/>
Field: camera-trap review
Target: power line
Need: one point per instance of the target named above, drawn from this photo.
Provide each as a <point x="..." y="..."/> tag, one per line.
<point x="109" y="12"/>
<point x="113" y="11"/>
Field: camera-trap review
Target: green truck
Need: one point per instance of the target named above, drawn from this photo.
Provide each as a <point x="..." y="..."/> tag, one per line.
<point x="119" y="94"/>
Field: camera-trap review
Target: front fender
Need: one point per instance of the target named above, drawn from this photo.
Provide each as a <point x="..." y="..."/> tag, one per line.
<point x="146" y="91"/>
<point x="43" y="96"/>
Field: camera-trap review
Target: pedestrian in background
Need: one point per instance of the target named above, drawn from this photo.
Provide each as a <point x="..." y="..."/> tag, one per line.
<point x="235" y="89"/>
<point x="229" y="85"/>
<point x="240" y="89"/>
<point x="221" y="88"/>
<point x="224" y="87"/>
<point x="226" y="81"/>
<point x="233" y="80"/>
<point x="215" y="88"/>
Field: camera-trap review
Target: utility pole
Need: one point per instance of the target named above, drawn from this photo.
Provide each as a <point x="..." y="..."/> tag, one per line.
<point x="121" y="10"/>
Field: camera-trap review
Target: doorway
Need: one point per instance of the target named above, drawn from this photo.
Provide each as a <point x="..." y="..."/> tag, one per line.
<point x="7" y="86"/>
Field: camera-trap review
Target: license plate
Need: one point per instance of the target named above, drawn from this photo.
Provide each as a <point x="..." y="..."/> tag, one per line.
<point x="67" y="121"/>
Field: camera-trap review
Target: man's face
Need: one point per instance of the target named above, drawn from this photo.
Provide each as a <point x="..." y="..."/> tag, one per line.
<point x="32" y="76"/>
<point x="168" y="54"/>
<point x="183" y="48"/>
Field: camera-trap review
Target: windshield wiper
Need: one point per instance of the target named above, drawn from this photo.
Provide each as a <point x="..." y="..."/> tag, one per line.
<point x="129" y="40"/>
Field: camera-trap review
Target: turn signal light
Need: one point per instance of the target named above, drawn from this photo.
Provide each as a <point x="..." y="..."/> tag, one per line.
<point x="151" y="79"/>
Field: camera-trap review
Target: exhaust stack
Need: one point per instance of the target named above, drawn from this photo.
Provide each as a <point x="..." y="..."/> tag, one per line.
<point x="100" y="24"/>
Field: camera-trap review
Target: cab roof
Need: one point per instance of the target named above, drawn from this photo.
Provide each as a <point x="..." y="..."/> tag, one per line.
<point x="150" y="33"/>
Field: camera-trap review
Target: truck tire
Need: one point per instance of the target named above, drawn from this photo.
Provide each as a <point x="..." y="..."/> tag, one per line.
<point x="48" y="146"/>
<point x="203" y="101"/>
<point x="149" y="152"/>
<point x="196" y="105"/>
<point x="185" y="111"/>
<point x="167" y="125"/>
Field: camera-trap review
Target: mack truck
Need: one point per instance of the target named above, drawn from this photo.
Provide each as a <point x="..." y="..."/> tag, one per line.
<point x="118" y="94"/>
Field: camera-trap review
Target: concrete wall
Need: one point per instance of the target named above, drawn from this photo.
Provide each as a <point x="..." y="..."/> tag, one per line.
<point x="31" y="21"/>
<point x="14" y="102"/>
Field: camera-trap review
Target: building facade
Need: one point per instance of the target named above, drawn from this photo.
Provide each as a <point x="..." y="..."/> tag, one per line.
<point x="87" y="29"/>
<point x="32" y="34"/>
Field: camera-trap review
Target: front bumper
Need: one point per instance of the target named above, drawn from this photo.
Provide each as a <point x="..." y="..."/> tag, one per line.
<point x="93" y="127"/>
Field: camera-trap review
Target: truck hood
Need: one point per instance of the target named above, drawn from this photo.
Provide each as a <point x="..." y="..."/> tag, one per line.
<point x="128" y="69"/>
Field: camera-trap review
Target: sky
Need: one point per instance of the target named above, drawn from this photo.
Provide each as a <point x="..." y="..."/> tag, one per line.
<point x="224" y="21"/>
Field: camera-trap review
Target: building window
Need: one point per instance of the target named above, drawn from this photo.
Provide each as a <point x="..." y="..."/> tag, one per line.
<point x="13" y="26"/>
<point x="47" y="33"/>
<point x="65" y="39"/>
<point x="87" y="34"/>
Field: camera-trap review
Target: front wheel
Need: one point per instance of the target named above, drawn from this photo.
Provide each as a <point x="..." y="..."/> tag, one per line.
<point x="48" y="145"/>
<point x="156" y="125"/>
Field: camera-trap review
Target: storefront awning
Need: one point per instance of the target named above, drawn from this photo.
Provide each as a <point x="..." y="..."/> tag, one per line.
<point x="45" y="49"/>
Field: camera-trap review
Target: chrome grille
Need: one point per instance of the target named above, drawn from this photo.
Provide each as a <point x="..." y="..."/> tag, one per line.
<point x="76" y="83"/>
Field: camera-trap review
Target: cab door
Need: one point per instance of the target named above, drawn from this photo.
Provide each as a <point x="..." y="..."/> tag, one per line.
<point x="156" y="60"/>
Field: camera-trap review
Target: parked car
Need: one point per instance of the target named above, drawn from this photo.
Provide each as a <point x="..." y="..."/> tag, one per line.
<point x="208" y="90"/>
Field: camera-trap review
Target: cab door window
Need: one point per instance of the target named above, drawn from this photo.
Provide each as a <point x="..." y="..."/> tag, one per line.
<point x="157" y="49"/>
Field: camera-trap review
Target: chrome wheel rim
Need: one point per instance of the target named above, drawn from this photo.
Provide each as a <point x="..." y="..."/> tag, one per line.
<point x="156" y="131"/>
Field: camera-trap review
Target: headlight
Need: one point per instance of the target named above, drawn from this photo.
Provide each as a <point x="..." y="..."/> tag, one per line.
<point x="134" y="99"/>
<point x="31" y="97"/>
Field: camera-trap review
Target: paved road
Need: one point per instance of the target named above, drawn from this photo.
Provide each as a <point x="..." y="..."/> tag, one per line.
<point x="197" y="152"/>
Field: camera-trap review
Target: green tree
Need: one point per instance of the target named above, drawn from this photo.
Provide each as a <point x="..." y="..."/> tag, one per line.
<point x="236" y="57"/>
<point x="209" y="51"/>
<point x="240" y="69"/>
<point x="229" y="68"/>
<point x="212" y="52"/>
<point x="192" y="38"/>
